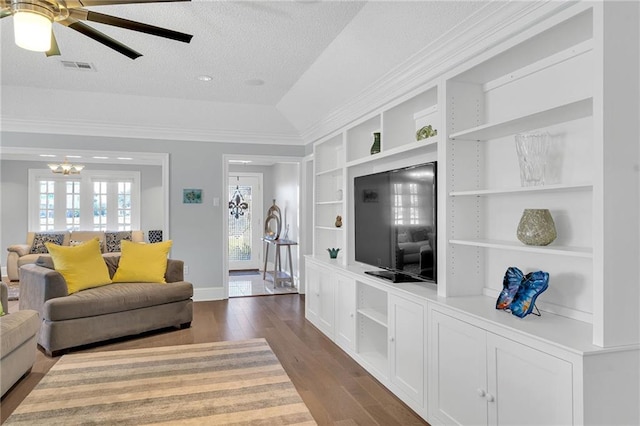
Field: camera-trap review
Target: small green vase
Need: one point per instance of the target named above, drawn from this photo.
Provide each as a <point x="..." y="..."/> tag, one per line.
<point x="375" y="148"/>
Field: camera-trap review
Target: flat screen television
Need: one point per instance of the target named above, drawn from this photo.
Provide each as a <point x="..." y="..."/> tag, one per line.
<point x="395" y="223"/>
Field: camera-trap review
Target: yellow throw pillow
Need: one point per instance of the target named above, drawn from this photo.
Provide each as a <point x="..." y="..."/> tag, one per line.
<point x="142" y="263"/>
<point x="82" y="266"/>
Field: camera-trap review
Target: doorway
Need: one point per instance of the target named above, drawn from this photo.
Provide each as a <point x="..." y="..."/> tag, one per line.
<point x="280" y="182"/>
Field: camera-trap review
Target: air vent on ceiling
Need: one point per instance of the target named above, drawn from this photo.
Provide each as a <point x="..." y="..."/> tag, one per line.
<point x="80" y="66"/>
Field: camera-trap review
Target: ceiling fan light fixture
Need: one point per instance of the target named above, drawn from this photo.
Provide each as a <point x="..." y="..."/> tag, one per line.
<point x="32" y="27"/>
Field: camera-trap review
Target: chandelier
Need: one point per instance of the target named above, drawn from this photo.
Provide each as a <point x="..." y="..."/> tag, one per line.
<point x="66" y="168"/>
<point x="237" y="205"/>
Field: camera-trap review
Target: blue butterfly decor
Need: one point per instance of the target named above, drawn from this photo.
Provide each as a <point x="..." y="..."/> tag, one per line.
<point x="519" y="291"/>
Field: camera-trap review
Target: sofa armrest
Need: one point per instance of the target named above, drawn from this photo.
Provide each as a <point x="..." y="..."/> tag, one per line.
<point x="4" y="297"/>
<point x="39" y="284"/>
<point x="175" y="271"/>
<point x="20" y="249"/>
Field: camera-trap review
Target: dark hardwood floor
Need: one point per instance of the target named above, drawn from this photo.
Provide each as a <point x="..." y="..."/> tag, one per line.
<point x="334" y="387"/>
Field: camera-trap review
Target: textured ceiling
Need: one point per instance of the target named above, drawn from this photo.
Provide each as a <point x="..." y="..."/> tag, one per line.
<point x="233" y="42"/>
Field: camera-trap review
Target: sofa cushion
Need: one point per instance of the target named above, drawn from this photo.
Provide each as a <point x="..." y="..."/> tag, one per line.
<point x="81" y="266"/>
<point x="143" y="262"/>
<point x="17" y="328"/>
<point x="114" y="298"/>
<point x="113" y="239"/>
<point x="41" y="238"/>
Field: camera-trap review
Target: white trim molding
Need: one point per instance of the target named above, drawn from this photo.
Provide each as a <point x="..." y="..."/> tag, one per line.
<point x="94" y="128"/>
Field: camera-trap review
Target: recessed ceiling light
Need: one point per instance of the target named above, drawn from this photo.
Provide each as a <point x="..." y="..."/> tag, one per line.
<point x="239" y="161"/>
<point x="101" y="158"/>
<point x="254" y="82"/>
<point x="74" y="156"/>
<point x="125" y="158"/>
<point x="205" y="78"/>
<point x="47" y="155"/>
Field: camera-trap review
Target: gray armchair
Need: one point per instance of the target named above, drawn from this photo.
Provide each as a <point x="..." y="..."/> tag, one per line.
<point x="18" y="342"/>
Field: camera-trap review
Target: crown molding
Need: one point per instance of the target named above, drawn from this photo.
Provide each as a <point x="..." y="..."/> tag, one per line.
<point x="489" y="26"/>
<point x="94" y="128"/>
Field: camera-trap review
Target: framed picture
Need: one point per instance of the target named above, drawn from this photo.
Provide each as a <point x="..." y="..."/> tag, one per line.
<point x="192" y="196"/>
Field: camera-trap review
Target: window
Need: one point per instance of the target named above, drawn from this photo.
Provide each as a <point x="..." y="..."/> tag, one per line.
<point x="94" y="200"/>
<point x="124" y="206"/>
<point x="73" y="204"/>
<point x="46" y="205"/>
<point x="100" y="206"/>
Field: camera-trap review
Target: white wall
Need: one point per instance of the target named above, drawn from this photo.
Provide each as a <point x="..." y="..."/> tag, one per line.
<point x="195" y="229"/>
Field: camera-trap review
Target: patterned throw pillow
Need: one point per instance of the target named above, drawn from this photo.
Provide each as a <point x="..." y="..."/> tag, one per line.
<point x="45" y="237"/>
<point x="113" y="240"/>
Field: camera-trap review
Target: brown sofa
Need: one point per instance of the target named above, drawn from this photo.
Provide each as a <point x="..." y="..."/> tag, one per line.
<point x="102" y="313"/>
<point x="19" y="254"/>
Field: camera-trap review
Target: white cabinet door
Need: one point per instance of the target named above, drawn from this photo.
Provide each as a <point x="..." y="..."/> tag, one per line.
<point x="458" y="372"/>
<point x="326" y="308"/>
<point x="345" y="312"/>
<point x="312" y="297"/>
<point x="478" y="378"/>
<point x="320" y="298"/>
<point x="406" y="347"/>
<point x="530" y="387"/>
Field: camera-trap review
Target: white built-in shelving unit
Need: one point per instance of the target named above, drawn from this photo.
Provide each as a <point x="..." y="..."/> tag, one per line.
<point x="559" y="76"/>
<point x="525" y="87"/>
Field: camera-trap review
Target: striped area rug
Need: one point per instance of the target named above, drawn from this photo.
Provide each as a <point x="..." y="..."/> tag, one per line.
<point x="239" y="382"/>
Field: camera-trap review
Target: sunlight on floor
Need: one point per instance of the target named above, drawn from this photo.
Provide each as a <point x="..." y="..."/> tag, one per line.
<point x="254" y="285"/>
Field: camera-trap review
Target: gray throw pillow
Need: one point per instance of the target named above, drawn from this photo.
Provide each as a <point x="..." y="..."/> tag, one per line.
<point x="113" y="240"/>
<point x="45" y="237"/>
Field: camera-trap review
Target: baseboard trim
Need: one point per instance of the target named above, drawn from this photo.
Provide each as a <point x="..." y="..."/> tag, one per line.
<point x="209" y="293"/>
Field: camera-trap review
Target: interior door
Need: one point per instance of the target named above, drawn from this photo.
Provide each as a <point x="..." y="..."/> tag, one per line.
<point x="245" y="221"/>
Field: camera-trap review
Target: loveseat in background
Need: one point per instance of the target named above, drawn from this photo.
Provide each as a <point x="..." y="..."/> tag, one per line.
<point x="20" y="254"/>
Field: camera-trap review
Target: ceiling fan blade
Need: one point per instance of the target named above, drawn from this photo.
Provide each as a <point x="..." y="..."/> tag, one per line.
<point x="55" y="50"/>
<point x="88" y="3"/>
<point x="100" y="37"/>
<point x="87" y="15"/>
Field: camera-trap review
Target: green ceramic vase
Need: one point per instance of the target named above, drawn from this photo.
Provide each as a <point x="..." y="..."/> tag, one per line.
<point x="375" y="148"/>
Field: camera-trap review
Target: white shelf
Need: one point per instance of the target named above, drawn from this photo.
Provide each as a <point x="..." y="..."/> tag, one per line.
<point x="376" y="360"/>
<point x="374" y="315"/>
<point x="395" y="151"/>
<point x="584" y="252"/>
<point x="329" y="228"/>
<point x="548" y="117"/>
<point x="328" y="203"/>
<point x="335" y="171"/>
<point x="525" y="189"/>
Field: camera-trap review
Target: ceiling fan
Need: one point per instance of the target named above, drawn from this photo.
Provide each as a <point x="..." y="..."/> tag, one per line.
<point x="33" y="22"/>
